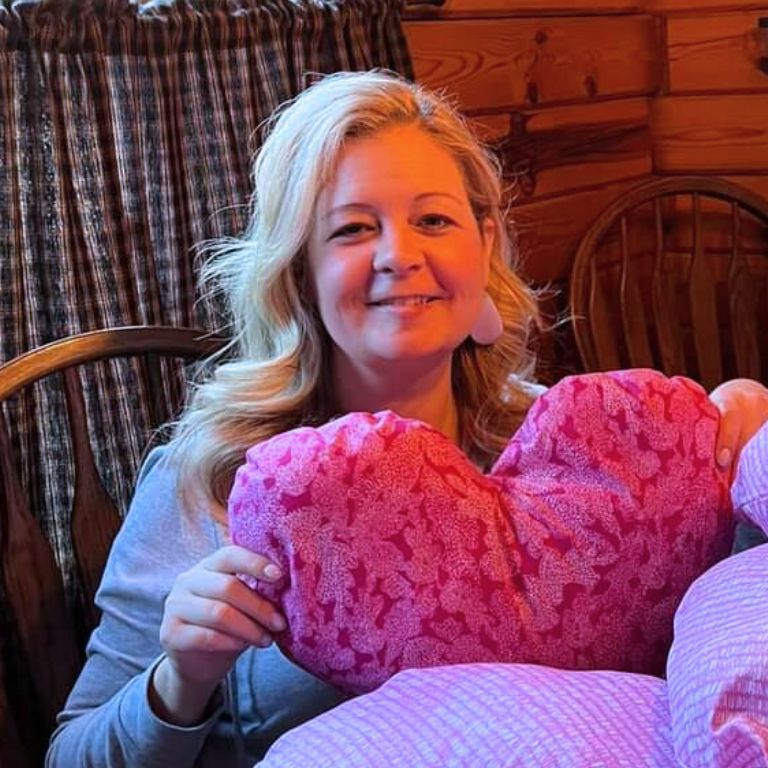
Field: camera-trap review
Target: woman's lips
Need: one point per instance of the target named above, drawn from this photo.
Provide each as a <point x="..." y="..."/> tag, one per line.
<point x="404" y="301"/>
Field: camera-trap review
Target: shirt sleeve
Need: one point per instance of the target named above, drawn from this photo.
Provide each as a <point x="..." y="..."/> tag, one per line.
<point x="107" y="720"/>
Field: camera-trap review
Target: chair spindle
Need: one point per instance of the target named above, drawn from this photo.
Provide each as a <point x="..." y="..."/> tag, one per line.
<point x="703" y="306"/>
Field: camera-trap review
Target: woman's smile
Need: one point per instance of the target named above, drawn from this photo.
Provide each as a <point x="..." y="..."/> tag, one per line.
<point x="404" y="307"/>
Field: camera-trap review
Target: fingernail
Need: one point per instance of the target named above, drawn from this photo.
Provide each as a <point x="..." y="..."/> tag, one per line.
<point x="724" y="458"/>
<point x="278" y="623"/>
<point x="265" y="641"/>
<point x="272" y="571"/>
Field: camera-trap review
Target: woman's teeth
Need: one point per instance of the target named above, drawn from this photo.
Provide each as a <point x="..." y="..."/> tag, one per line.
<point x="406" y="301"/>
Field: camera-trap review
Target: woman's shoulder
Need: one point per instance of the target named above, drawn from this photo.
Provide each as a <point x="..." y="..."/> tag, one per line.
<point x="160" y="513"/>
<point x="158" y="457"/>
<point x="156" y="486"/>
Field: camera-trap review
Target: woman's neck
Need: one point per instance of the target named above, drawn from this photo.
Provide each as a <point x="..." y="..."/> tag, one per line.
<point x="410" y="390"/>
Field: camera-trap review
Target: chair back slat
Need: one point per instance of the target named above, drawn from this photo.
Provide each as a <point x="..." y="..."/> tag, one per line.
<point x="686" y="292"/>
<point x="35" y="594"/>
<point x="744" y="295"/>
<point x="706" y="334"/>
<point x="151" y="365"/>
<point x="11" y="749"/>
<point x="632" y="311"/>
<point x="604" y="347"/>
<point x="95" y="519"/>
<point x="662" y="300"/>
<point x="45" y="650"/>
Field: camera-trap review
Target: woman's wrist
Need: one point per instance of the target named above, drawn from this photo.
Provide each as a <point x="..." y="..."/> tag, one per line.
<point x="178" y="701"/>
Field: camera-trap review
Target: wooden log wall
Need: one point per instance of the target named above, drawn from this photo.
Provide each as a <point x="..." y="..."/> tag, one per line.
<point x="584" y="99"/>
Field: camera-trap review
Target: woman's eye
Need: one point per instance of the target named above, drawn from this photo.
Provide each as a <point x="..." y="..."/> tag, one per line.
<point x="435" y="221"/>
<point x="351" y="230"/>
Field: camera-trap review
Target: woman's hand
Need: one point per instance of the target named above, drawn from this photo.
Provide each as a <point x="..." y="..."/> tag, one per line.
<point x="743" y="405"/>
<point x="210" y="618"/>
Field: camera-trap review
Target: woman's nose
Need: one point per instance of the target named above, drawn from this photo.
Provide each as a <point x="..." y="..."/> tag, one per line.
<point x="398" y="250"/>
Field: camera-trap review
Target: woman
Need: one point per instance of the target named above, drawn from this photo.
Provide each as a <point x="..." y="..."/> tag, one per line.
<point x="375" y="273"/>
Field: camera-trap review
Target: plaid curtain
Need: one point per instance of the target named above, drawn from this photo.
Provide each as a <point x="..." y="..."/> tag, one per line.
<point x="126" y="132"/>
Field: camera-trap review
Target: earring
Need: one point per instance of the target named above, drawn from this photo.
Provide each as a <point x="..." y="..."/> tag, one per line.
<point x="488" y="326"/>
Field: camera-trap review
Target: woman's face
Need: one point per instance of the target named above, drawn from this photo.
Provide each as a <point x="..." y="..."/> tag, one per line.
<point x="398" y="262"/>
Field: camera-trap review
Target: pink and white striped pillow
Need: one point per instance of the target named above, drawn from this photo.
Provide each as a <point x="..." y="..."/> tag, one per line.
<point x="717" y="671"/>
<point x="490" y="716"/>
<point x="712" y="713"/>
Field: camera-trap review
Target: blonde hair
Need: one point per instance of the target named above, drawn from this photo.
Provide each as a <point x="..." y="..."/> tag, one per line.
<point x="276" y="379"/>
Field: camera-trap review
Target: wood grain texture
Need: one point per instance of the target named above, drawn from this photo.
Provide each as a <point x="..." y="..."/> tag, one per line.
<point x="95" y="519"/>
<point x="704" y="319"/>
<point x="718" y="224"/>
<point x="757" y="183"/>
<point x="570" y="141"/>
<point x="603" y="321"/>
<point x="48" y="635"/>
<point x="717" y="52"/>
<point x="633" y="315"/>
<point x="711" y="134"/>
<point x="562" y="149"/>
<point x="489" y="64"/>
<point x="453" y="8"/>
<point x="35" y="601"/>
<point x="671" y="352"/>
<point x="744" y="300"/>
<point x="713" y="298"/>
<point x="672" y="7"/>
<point x="12" y="752"/>
<point x="98" y="345"/>
<point x="549" y="230"/>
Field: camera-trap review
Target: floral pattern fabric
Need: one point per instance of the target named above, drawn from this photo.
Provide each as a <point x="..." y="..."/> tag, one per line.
<point x="574" y="551"/>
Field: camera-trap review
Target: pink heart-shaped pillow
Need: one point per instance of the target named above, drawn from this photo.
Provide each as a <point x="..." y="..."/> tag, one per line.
<point x="574" y="551"/>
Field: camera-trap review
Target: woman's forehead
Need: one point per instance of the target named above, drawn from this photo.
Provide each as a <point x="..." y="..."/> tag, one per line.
<point x="403" y="159"/>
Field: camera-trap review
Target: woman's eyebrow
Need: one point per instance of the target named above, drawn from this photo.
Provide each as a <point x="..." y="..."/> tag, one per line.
<point x="348" y="207"/>
<point x="365" y="208"/>
<point x="438" y="194"/>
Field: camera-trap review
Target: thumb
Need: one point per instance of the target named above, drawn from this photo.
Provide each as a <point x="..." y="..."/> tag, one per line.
<point x="727" y="440"/>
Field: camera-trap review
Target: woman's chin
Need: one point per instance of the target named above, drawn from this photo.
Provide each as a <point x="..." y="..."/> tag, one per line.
<point x="429" y="354"/>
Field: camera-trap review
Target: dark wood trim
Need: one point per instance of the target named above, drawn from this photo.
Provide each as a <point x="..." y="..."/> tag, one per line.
<point x="98" y="345"/>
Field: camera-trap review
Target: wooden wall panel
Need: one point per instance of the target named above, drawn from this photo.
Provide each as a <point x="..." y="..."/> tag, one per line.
<point x="475" y="8"/>
<point x="710" y="134"/>
<point x="507" y="63"/>
<point x="562" y="149"/>
<point x="758" y="183"/>
<point x="717" y="52"/>
<point x="672" y="7"/>
<point x="550" y="230"/>
<point x="584" y="100"/>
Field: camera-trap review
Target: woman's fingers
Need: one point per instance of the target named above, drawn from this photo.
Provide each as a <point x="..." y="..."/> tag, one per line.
<point x="233" y="559"/>
<point x="192" y="638"/>
<point x="230" y="594"/>
<point x="197" y="623"/>
<point x="211" y="615"/>
<point x="743" y="406"/>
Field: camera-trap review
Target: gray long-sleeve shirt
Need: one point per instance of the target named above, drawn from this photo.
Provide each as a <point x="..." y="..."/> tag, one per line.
<point x="107" y="720"/>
